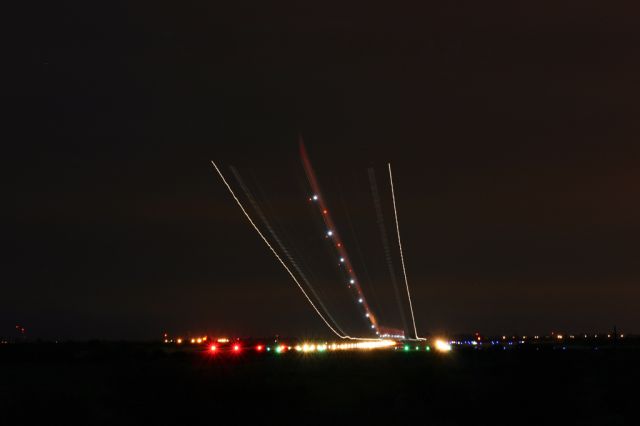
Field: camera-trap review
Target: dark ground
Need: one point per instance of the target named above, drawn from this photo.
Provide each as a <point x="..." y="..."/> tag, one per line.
<point x="107" y="383"/>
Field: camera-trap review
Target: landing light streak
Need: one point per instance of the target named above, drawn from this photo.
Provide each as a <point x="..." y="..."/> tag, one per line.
<point x="331" y="232"/>
<point x="364" y="345"/>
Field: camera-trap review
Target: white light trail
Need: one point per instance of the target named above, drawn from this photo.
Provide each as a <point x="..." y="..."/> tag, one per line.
<point x="276" y="253"/>
<point x="404" y="271"/>
<point x="280" y="259"/>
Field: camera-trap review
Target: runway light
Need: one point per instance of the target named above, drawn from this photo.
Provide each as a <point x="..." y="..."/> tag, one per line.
<point x="442" y="346"/>
<point x="406" y="348"/>
<point x="342" y="260"/>
<point x="324" y="212"/>
<point x="193" y="340"/>
<point x="315" y="197"/>
<point x="213" y="348"/>
<point x="427" y="348"/>
<point x="352" y="281"/>
<point x="223" y="340"/>
<point x="329" y="233"/>
<point x="366" y="315"/>
<point x="268" y="349"/>
<point x="236" y="348"/>
<point x="179" y="341"/>
<point x="259" y="348"/>
<point x="360" y="300"/>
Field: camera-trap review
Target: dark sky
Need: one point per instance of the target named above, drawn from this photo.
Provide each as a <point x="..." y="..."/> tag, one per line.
<point x="512" y="127"/>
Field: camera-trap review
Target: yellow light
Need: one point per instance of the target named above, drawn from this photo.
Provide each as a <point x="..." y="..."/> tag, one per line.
<point x="193" y="340"/>
<point x="199" y="340"/>
<point x="223" y="340"/>
<point x="442" y="346"/>
<point x="179" y="341"/>
<point x="559" y="336"/>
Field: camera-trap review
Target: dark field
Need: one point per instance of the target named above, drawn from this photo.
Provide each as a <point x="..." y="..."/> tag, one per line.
<point x="109" y="383"/>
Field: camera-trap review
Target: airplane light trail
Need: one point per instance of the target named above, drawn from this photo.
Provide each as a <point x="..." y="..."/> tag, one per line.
<point x="404" y="270"/>
<point x="385" y="244"/>
<point x="276" y="253"/>
<point x="283" y="249"/>
<point x="332" y="233"/>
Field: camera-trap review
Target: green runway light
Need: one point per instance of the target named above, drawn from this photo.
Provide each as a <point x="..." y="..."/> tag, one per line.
<point x="417" y="348"/>
<point x="428" y="348"/>
<point x="268" y="349"/>
<point x="406" y="347"/>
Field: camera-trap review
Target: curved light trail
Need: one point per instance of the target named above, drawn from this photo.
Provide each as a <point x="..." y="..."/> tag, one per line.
<point x="275" y="253"/>
<point x="404" y="270"/>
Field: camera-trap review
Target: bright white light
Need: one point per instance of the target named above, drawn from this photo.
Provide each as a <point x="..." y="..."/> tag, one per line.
<point x="360" y="300"/>
<point x="315" y="197"/>
<point x="366" y="315"/>
<point x="342" y="259"/>
<point x="352" y="281"/>
<point x="329" y="233"/>
<point x="373" y="326"/>
<point x="442" y="346"/>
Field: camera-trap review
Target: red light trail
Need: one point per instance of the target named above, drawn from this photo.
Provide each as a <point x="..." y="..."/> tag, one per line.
<point x="332" y="232"/>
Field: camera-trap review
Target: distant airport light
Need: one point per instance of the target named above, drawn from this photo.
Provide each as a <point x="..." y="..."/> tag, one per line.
<point x="223" y="340"/>
<point x="342" y="260"/>
<point x="329" y="233"/>
<point x="236" y="348"/>
<point x="442" y="346"/>
<point x="213" y="348"/>
<point x="360" y="300"/>
<point x="179" y="341"/>
<point x="352" y="281"/>
<point x="315" y="197"/>
<point x="259" y="348"/>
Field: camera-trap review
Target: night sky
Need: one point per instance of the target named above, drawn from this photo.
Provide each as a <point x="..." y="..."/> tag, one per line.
<point x="512" y="128"/>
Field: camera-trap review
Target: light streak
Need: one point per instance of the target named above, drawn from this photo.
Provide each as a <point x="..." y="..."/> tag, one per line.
<point x="275" y="253"/>
<point x="385" y="244"/>
<point x="283" y="248"/>
<point x="404" y="270"/>
<point x="332" y="231"/>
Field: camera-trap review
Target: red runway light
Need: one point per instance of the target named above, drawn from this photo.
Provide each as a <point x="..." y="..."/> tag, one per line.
<point x="236" y="348"/>
<point x="213" y="348"/>
<point x="259" y="348"/>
